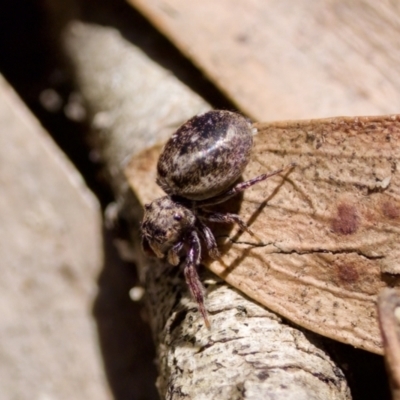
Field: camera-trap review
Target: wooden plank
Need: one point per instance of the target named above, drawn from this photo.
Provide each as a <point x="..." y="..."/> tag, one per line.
<point x="51" y="253"/>
<point x="284" y="59"/>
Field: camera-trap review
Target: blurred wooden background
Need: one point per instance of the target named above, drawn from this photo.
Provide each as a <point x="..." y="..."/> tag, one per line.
<point x="272" y="60"/>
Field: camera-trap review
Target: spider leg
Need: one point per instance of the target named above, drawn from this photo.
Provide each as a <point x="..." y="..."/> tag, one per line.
<point x="240" y="187"/>
<point x="191" y="275"/>
<point x="228" y="218"/>
<point x="173" y="253"/>
<point x="209" y="239"/>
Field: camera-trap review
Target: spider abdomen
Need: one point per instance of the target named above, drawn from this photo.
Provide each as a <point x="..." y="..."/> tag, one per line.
<point x="205" y="156"/>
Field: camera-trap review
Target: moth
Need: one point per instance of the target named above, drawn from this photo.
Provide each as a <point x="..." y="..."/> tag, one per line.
<point x="327" y="234"/>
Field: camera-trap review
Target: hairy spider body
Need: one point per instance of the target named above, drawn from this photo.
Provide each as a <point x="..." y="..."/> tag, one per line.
<point x="197" y="169"/>
<point x="205" y="156"/>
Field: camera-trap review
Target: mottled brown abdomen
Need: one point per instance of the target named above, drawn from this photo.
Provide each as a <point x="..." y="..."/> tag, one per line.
<point x="205" y="156"/>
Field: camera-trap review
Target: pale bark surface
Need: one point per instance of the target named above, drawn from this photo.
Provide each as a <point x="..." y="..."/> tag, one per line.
<point x="50" y="255"/>
<point x="249" y="353"/>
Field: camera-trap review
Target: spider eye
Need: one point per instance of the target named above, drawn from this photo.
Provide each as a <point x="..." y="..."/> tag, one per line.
<point x="178" y="217"/>
<point x="147" y="206"/>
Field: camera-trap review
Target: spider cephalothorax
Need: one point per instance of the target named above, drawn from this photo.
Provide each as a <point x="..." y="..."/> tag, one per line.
<point x="198" y="168"/>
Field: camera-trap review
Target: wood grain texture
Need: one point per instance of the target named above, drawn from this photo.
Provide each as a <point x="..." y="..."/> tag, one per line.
<point x="328" y="229"/>
<point x="284" y="59"/>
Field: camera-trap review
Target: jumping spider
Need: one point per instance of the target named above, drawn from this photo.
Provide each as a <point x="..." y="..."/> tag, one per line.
<point x="197" y="169"/>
